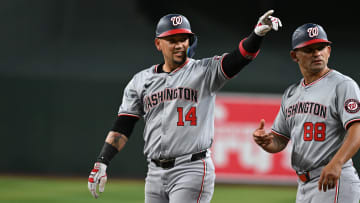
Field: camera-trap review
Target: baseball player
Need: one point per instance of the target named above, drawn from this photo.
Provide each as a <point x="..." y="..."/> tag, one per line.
<point x="176" y="99"/>
<point x="320" y="115"/>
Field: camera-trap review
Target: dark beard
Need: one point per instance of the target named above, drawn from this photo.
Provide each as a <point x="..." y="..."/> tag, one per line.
<point x="180" y="62"/>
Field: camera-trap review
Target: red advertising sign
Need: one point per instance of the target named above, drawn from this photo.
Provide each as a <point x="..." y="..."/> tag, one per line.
<point x="236" y="156"/>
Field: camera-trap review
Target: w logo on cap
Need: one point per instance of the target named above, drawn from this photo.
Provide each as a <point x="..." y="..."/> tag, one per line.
<point x="176" y="20"/>
<point x="307" y="34"/>
<point x="313" y="31"/>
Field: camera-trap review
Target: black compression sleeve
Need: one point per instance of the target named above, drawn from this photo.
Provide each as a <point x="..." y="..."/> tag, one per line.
<point x="235" y="61"/>
<point x="125" y="124"/>
<point x="252" y="43"/>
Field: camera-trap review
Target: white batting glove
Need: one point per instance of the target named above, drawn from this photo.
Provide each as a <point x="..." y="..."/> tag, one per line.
<point x="97" y="177"/>
<point x="266" y="23"/>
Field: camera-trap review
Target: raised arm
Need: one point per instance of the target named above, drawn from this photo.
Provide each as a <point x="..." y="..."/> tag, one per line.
<point x="249" y="47"/>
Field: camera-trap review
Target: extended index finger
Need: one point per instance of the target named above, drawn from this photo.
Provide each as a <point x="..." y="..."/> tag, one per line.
<point x="320" y="183"/>
<point x="280" y="24"/>
<point x="267" y="14"/>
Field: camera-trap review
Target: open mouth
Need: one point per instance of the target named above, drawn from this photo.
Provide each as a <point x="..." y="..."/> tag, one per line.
<point x="179" y="54"/>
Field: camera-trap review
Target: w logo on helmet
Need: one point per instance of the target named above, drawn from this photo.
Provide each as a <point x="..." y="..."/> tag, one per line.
<point x="176" y="20"/>
<point x="313" y="31"/>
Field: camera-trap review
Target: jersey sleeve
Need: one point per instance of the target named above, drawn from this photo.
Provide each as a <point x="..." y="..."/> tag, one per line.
<point x="347" y="100"/>
<point x="214" y="74"/>
<point x="280" y="126"/>
<point x="131" y="102"/>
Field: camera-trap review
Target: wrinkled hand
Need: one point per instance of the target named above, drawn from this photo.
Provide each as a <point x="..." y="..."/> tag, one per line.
<point x="97" y="177"/>
<point x="266" y="23"/>
<point x="260" y="136"/>
<point x="329" y="177"/>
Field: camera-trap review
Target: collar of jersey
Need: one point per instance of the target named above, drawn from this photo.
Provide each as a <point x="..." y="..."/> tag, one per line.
<point x="158" y="67"/>
<point x="312" y="83"/>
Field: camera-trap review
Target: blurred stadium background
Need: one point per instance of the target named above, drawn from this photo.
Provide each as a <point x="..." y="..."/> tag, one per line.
<point x="64" y="64"/>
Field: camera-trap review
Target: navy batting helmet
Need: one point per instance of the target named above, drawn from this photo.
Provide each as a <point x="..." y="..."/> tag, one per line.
<point x="173" y="24"/>
<point x="307" y="34"/>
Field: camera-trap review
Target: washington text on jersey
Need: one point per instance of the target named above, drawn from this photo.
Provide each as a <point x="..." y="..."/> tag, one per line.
<point x="169" y="94"/>
<point x="306" y="108"/>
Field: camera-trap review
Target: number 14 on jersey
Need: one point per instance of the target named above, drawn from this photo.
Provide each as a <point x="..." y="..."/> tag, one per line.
<point x="190" y="116"/>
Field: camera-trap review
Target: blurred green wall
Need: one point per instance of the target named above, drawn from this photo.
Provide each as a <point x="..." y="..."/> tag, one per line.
<point x="65" y="63"/>
<point x="59" y="127"/>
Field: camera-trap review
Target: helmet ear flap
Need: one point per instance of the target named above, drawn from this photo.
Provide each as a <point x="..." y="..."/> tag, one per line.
<point x="191" y="39"/>
<point x="193" y="43"/>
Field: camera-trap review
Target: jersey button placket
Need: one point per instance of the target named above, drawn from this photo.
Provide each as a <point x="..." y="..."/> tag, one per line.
<point x="164" y="144"/>
<point x="167" y="108"/>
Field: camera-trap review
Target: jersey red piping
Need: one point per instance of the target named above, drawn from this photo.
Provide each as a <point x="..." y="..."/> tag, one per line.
<point x="304" y="85"/>
<point x="125" y="114"/>
<point x="178" y="68"/>
<point x="351" y="121"/>
<point x="337" y="191"/>
<point x="202" y="184"/>
<point x="279" y="134"/>
<point x="155" y="69"/>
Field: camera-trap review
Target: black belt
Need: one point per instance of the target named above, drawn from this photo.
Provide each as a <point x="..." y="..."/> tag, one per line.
<point x="169" y="163"/>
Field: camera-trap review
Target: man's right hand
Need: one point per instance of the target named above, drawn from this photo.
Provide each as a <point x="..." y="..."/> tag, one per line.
<point x="97" y="177"/>
<point x="260" y="136"/>
<point x="267" y="22"/>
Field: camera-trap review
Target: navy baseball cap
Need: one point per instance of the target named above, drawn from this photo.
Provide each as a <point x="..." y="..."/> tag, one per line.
<point x="173" y="24"/>
<point x="307" y="34"/>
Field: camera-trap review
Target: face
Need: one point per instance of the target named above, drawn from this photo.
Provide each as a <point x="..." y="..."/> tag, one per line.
<point x="173" y="48"/>
<point x="313" y="58"/>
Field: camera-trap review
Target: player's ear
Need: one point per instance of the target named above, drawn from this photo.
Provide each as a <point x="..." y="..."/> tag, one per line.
<point x="293" y="56"/>
<point x="157" y="44"/>
<point x="329" y="47"/>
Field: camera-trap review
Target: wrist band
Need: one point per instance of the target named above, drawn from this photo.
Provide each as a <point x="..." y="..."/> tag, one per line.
<point x="107" y="153"/>
<point x="245" y="53"/>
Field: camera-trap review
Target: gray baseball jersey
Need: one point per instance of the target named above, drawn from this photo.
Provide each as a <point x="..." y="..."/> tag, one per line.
<point x="315" y="118"/>
<point x="170" y="101"/>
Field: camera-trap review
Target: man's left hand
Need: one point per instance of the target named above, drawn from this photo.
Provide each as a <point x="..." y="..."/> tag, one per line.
<point x="329" y="176"/>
